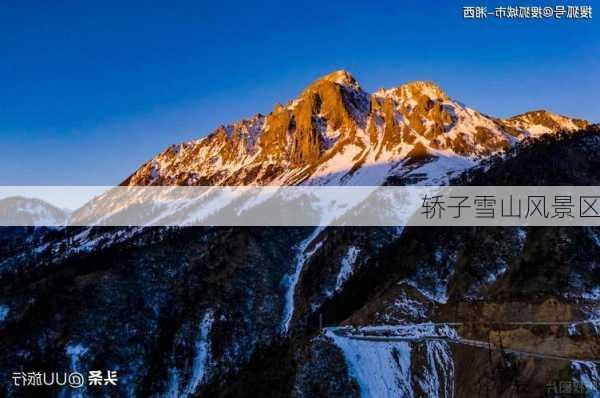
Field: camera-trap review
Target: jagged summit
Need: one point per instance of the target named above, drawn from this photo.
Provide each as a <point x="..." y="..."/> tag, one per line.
<point x="542" y="122"/>
<point x="413" y="90"/>
<point x="541" y="115"/>
<point x="341" y="77"/>
<point x="336" y="133"/>
<point x="428" y="88"/>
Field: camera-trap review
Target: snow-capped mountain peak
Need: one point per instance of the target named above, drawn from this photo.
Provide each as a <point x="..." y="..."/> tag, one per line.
<point x="18" y="210"/>
<point x="341" y="77"/>
<point x="336" y="133"/>
<point x="544" y="122"/>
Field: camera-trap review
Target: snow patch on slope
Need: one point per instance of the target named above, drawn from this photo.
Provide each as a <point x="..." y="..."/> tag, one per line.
<point x="409" y="307"/>
<point x="381" y="369"/>
<point x="3" y="312"/>
<point x="388" y="368"/>
<point x="347" y="267"/>
<point x="437" y="293"/>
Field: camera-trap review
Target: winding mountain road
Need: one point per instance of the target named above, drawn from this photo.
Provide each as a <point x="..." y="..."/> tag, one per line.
<point x="373" y="334"/>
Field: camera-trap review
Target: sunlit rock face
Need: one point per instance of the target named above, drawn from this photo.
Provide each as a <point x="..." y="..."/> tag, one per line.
<point x="334" y="129"/>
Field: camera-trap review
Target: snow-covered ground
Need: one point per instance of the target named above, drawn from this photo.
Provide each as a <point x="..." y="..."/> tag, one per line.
<point x="388" y="369"/>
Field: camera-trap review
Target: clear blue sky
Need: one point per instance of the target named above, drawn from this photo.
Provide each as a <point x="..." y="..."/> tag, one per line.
<point x="90" y="90"/>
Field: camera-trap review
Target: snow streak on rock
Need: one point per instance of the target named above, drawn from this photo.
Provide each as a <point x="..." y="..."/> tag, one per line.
<point x="3" y="312"/>
<point x="588" y="374"/>
<point x="347" y="267"/>
<point x="290" y="281"/>
<point x="202" y="355"/>
<point x="437" y="378"/>
<point x="75" y="352"/>
<point x="199" y="370"/>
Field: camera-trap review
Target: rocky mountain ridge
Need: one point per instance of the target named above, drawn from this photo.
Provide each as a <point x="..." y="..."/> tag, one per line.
<point x="19" y="210"/>
<point x="335" y="133"/>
